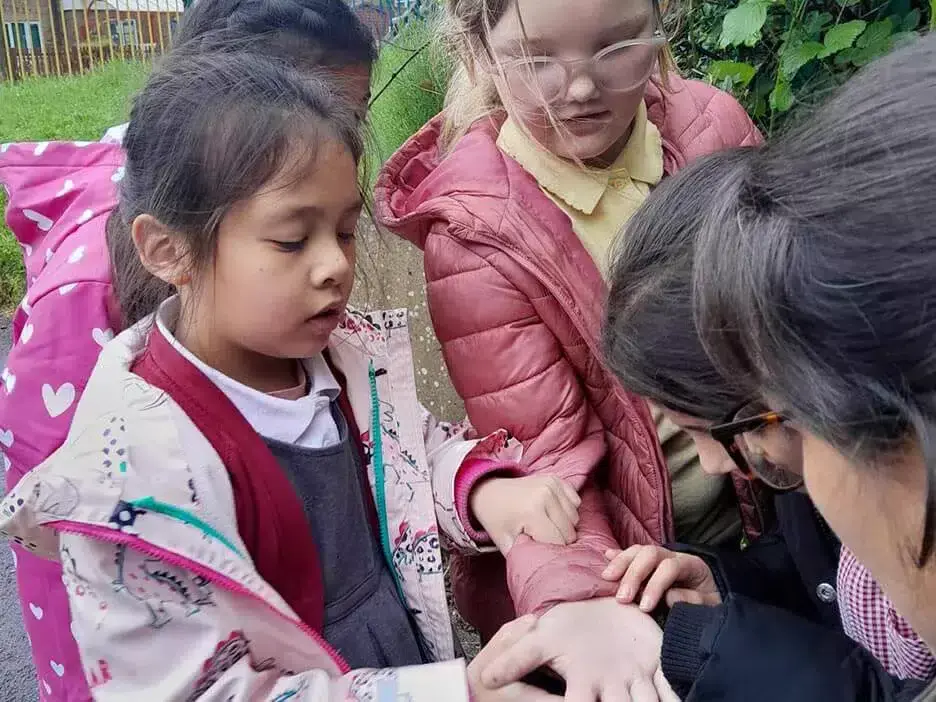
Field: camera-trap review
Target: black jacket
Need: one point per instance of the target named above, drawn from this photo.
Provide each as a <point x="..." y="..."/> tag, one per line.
<point x="778" y="635"/>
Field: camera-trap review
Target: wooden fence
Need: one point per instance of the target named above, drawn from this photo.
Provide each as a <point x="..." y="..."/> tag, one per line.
<point x="71" y="37"/>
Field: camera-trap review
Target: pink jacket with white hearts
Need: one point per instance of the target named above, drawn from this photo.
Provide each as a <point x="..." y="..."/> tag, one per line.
<point x="59" y="197"/>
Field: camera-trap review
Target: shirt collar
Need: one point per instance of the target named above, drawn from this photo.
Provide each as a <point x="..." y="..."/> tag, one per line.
<point x="583" y="188"/>
<point x="272" y="417"/>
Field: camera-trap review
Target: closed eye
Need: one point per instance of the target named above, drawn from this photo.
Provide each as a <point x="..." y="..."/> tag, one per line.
<point x="289" y="246"/>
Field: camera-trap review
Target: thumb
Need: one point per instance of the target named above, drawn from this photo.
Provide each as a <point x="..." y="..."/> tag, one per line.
<point x="681" y="594"/>
<point x="512" y="662"/>
<point x="663" y="689"/>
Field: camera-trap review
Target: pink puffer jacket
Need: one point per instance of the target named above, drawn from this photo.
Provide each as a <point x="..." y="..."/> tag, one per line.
<point x="516" y="302"/>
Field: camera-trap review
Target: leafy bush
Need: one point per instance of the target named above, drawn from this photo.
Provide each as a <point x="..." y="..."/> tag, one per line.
<point x="776" y="54"/>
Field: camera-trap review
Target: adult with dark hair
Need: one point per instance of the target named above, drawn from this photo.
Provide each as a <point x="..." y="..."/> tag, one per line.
<point x="70" y="311"/>
<point x="759" y="623"/>
<point x="812" y="279"/>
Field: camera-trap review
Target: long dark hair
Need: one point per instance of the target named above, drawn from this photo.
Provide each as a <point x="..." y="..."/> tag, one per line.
<point x="816" y="266"/>
<point x="650" y="339"/>
<point x="208" y="131"/>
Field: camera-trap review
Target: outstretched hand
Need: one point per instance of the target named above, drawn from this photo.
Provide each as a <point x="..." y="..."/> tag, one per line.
<point x="603" y="650"/>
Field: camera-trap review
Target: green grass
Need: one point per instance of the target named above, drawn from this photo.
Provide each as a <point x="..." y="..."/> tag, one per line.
<point x="46" y="109"/>
<point x="409" y="83"/>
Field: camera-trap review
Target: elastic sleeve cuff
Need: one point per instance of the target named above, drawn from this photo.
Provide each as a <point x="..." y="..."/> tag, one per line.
<point x="471" y="472"/>
<point x="682" y="658"/>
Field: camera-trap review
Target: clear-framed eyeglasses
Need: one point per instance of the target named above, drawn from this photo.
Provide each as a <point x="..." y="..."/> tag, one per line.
<point x="619" y="68"/>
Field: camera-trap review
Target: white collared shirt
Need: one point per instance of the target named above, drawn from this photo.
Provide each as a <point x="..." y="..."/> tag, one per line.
<point x="306" y="422"/>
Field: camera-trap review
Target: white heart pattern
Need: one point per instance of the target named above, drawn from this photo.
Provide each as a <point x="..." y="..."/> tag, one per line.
<point x="47" y="687"/>
<point x="48" y="255"/>
<point x="36" y="611"/>
<point x="77" y="255"/>
<point x="25" y="306"/>
<point x="67" y="187"/>
<point x="119" y="175"/>
<point x="4" y="147"/>
<point x="9" y="381"/>
<point x="6" y="438"/>
<point x="57" y="402"/>
<point x="102" y="336"/>
<point x="26" y="334"/>
<point x="40" y="220"/>
<point x="65" y="289"/>
<point x="27" y="250"/>
<point x="40" y="148"/>
<point x="57" y="668"/>
<point x="82" y="144"/>
<point x="85" y="216"/>
<point x="6" y="464"/>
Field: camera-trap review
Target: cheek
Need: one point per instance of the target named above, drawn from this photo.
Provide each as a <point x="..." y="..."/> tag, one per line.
<point x="625" y="105"/>
<point x="712" y="455"/>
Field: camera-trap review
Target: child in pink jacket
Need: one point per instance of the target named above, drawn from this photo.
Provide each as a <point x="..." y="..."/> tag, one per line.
<point x="558" y="124"/>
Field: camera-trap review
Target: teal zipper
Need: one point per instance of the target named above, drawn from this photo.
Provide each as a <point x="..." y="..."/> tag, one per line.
<point x="380" y="496"/>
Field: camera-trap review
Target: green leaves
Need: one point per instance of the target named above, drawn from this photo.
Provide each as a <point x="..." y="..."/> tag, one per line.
<point x="795" y="56"/>
<point x="781" y="99"/>
<point x="842" y="36"/>
<point x="743" y="24"/>
<point x="735" y="73"/>
<point x="775" y="54"/>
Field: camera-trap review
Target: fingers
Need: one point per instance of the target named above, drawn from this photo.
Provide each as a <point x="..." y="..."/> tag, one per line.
<point x="643" y="690"/>
<point x="568" y="506"/>
<point x="667" y="573"/>
<point x="511" y="662"/>
<point x="640" y="569"/>
<point x="664" y="691"/>
<point x="506" y="637"/>
<point x="521" y="692"/>
<point x="581" y="691"/>
<point x="680" y="594"/>
<point x="620" y="562"/>
<point x="570" y="493"/>
<point x="559" y="517"/>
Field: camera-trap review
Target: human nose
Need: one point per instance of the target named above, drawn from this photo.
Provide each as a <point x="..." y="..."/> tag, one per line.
<point x="332" y="265"/>
<point x="581" y="86"/>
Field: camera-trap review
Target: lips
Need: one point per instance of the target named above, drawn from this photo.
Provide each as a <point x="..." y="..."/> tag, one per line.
<point x="588" y="117"/>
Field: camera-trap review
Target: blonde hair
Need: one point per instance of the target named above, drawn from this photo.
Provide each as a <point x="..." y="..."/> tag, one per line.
<point x="463" y="29"/>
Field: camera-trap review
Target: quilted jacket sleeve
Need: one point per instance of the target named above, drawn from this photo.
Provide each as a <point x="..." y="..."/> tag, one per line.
<point x="511" y="372"/>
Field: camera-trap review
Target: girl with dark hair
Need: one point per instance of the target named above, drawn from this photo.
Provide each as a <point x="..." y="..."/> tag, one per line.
<point x="812" y="278"/>
<point x="767" y="621"/>
<point x="246" y="505"/>
<point x="71" y="327"/>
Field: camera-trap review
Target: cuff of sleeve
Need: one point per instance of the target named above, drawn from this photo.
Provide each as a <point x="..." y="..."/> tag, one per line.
<point x="682" y="656"/>
<point x="470" y="473"/>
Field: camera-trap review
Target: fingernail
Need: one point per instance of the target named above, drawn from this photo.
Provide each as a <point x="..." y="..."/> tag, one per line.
<point x="645" y="604"/>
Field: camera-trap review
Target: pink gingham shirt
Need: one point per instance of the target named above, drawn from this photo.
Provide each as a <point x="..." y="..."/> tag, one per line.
<point x="870" y="619"/>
